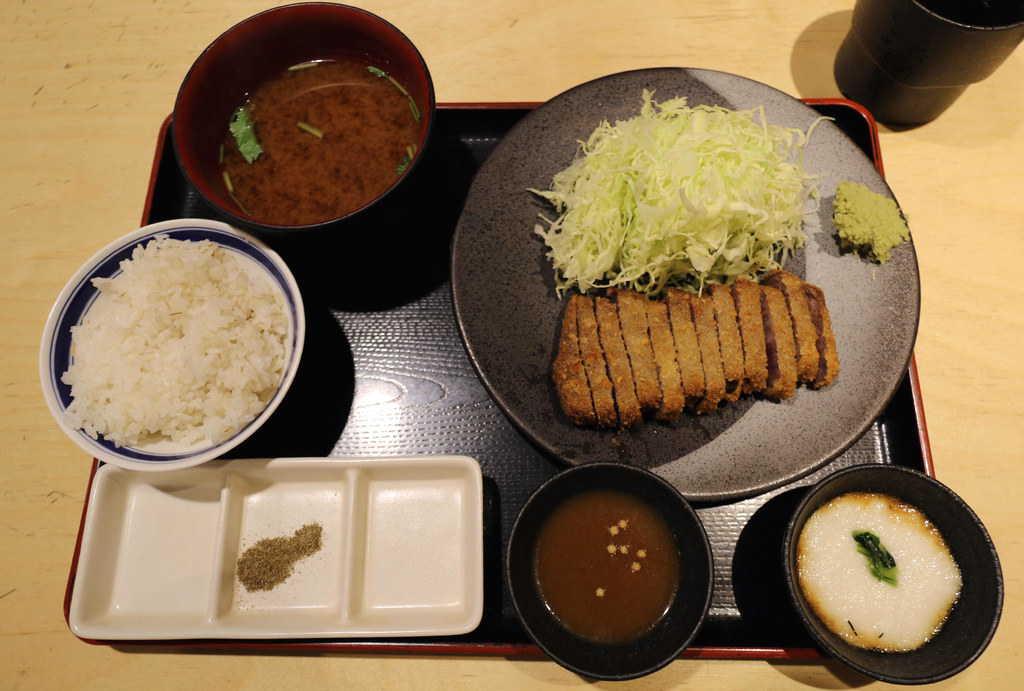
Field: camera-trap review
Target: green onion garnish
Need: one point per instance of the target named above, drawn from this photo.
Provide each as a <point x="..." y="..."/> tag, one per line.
<point x="306" y="127"/>
<point x="231" y="191"/>
<point x="384" y="75"/>
<point x="240" y="207"/>
<point x="410" y="151"/>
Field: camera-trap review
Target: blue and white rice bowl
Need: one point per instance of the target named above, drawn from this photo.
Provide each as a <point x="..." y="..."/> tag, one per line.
<point x="79" y="296"/>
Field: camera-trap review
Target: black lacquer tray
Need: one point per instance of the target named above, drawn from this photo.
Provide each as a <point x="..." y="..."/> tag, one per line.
<point x="384" y="373"/>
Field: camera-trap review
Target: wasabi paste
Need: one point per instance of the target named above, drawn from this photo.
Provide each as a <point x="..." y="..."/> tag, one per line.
<point x="868" y="221"/>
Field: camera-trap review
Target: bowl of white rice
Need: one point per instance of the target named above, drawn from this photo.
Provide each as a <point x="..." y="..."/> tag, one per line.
<point x="172" y="345"/>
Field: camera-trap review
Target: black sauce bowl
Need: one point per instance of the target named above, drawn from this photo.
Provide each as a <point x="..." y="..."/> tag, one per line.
<point x="263" y="46"/>
<point x="671" y="634"/>
<point x="973" y="619"/>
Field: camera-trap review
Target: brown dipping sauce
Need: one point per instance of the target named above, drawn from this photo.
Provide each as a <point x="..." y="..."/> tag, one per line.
<point x="606" y="565"/>
<point x="367" y="124"/>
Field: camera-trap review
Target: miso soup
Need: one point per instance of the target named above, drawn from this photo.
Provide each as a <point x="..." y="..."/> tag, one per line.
<point x="334" y="136"/>
<point x="606" y="565"/>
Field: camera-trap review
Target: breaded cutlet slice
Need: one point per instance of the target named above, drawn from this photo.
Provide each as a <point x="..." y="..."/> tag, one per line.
<point x="673" y="400"/>
<point x="632" y="308"/>
<point x="619" y="370"/>
<point x="729" y="342"/>
<point x="804" y="333"/>
<point x="711" y="355"/>
<point x="747" y="298"/>
<point x="688" y="354"/>
<point x="828" y="357"/>
<point x="780" y="346"/>
<point x="594" y="364"/>
<point x="569" y="374"/>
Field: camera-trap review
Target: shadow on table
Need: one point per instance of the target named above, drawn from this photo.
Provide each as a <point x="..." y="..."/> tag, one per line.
<point x="814" y="53"/>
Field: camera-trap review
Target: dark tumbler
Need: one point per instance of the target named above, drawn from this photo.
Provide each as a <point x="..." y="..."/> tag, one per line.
<point x="907" y="61"/>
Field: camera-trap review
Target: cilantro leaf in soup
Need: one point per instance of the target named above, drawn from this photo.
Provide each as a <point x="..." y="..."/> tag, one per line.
<point x="244" y="132"/>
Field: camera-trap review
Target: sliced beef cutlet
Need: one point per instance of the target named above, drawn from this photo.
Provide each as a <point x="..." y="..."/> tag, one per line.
<point x="804" y="333"/>
<point x="673" y="400"/>
<point x="632" y="308"/>
<point x="780" y="346"/>
<point x="828" y="358"/>
<point x="688" y="353"/>
<point x="711" y="355"/>
<point x="626" y="356"/>
<point x="729" y="341"/>
<point x="619" y="370"/>
<point x="568" y="372"/>
<point x="747" y="298"/>
<point x="595" y="365"/>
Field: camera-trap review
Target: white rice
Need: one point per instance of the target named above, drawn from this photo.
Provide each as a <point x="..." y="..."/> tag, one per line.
<point x="186" y="344"/>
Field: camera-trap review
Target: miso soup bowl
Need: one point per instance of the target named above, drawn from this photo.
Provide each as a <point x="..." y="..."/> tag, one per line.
<point x="263" y="46"/>
<point x="973" y="620"/>
<point x="682" y="620"/>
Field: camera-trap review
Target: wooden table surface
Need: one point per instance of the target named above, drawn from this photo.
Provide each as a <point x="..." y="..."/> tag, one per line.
<point x="85" y="86"/>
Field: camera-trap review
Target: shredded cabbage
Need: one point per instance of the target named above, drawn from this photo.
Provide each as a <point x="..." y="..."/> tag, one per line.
<point x="678" y="196"/>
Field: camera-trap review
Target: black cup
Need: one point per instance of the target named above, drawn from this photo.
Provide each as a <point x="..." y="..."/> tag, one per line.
<point x="907" y="61"/>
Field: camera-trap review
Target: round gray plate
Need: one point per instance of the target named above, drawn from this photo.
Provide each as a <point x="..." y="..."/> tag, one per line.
<point x="509" y="315"/>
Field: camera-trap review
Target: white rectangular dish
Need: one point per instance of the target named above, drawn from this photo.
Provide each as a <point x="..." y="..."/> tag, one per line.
<point x="401" y="550"/>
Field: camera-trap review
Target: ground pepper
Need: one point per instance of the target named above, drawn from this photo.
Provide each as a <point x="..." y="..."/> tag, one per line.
<point x="270" y="561"/>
